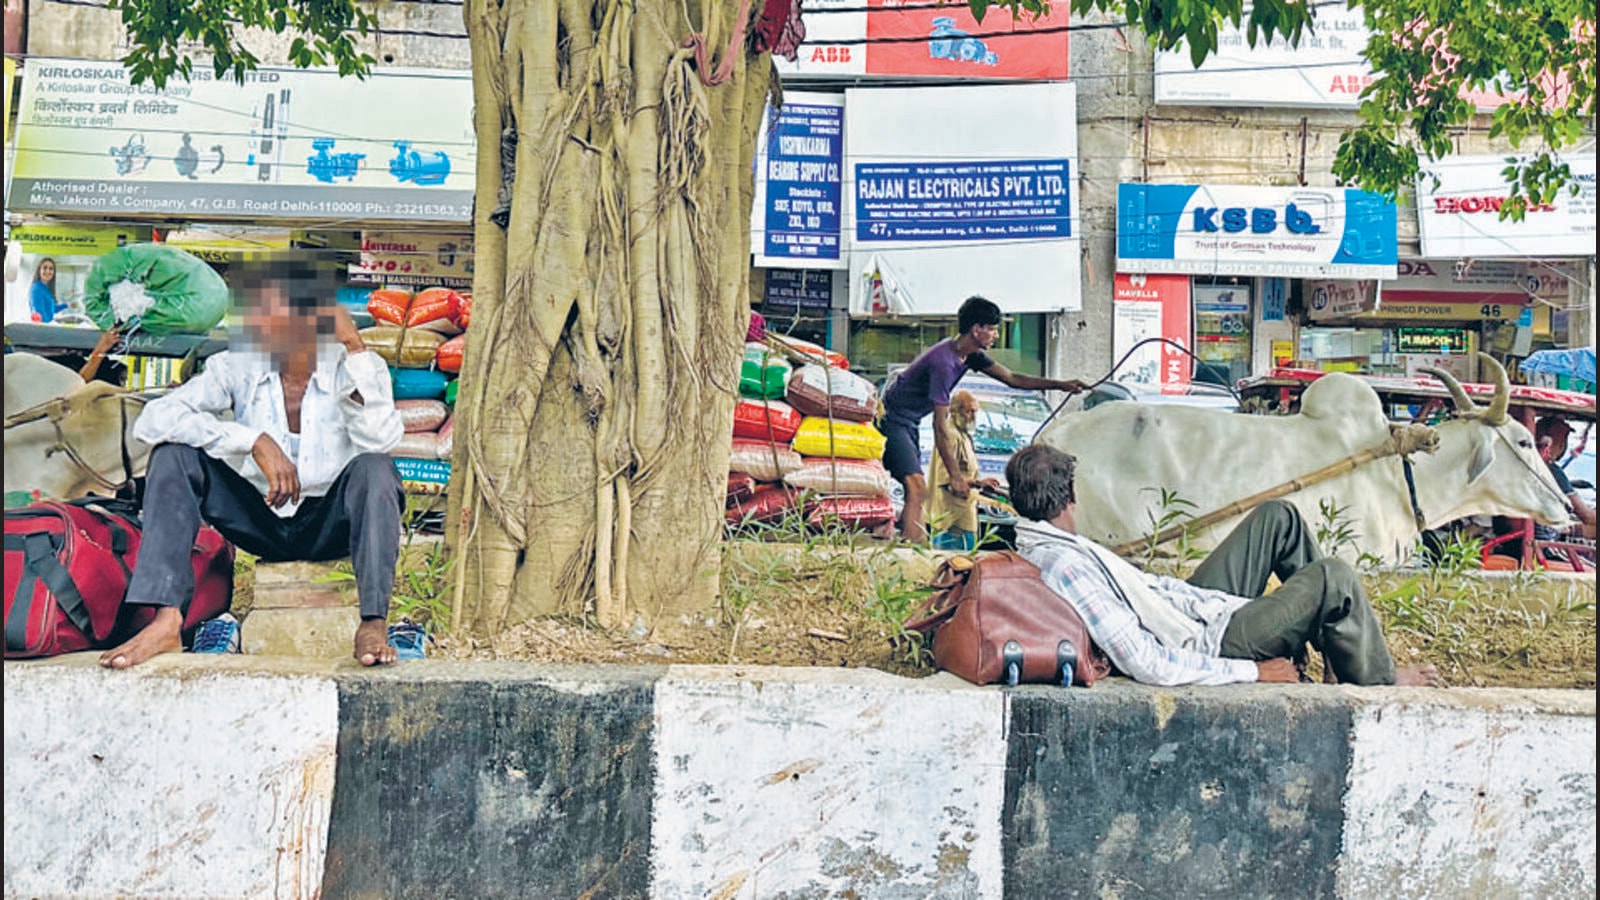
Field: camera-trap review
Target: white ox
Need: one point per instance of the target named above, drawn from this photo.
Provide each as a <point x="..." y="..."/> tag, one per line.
<point x="90" y="418"/>
<point x="1128" y="452"/>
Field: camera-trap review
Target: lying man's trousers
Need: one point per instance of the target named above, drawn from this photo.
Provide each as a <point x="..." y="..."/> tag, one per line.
<point x="359" y="517"/>
<point x="1320" y="601"/>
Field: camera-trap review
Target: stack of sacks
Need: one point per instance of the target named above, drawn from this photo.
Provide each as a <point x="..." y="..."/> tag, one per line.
<point x="841" y="469"/>
<point x="420" y="337"/>
<point x="763" y="426"/>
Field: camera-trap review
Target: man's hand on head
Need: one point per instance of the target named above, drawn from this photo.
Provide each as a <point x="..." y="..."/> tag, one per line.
<point x="283" y="479"/>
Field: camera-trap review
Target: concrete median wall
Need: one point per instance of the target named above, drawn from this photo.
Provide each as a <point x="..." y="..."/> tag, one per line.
<point x="242" y="777"/>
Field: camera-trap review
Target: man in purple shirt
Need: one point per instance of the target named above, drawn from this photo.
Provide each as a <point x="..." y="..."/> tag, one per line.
<point x="924" y="387"/>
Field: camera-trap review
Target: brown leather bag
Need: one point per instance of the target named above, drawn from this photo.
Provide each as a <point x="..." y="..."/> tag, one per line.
<point x="995" y="620"/>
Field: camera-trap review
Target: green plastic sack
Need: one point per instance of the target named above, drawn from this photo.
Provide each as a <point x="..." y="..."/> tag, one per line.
<point x="450" y="392"/>
<point x="170" y="290"/>
<point x="763" y="375"/>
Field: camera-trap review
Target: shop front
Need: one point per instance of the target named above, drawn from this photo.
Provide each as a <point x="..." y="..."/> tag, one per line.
<point x="1221" y="269"/>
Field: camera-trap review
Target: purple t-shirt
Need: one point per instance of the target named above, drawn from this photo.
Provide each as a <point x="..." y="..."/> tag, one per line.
<point x="929" y="380"/>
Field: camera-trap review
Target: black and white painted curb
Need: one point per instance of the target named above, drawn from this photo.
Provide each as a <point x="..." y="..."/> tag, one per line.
<point x="269" y="778"/>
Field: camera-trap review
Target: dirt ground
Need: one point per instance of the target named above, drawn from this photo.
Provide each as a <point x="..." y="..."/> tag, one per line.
<point x="841" y="602"/>
<point x="830" y="606"/>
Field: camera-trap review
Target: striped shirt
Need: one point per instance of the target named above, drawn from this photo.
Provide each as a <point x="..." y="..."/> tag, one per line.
<point x="1074" y="573"/>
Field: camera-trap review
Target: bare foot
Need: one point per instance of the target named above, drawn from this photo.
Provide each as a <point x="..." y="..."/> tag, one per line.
<point x="164" y="634"/>
<point x="1418" y="676"/>
<point x="372" y="643"/>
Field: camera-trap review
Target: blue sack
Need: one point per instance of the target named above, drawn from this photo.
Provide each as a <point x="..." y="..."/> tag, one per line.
<point x="419" y="384"/>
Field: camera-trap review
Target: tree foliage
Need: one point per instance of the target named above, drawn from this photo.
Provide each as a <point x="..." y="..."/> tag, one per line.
<point x="1539" y="54"/>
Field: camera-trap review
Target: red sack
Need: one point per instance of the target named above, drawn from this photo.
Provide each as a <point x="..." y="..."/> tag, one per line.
<point x="389" y="305"/>
<point x="434" y="305"/>
<point x="765" y="420"/>
<point x="855" y="513"/>
<point x="67" y="567"/>
<point x="832" y="393"/>
<point x="769" y="503"/>
<point x="740" y="487"/>
<point x="449" y="357"/>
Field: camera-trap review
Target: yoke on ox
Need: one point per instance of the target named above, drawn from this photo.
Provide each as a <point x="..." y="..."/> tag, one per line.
<point x="1484" y="463"/>
<point x="66" y="439"/>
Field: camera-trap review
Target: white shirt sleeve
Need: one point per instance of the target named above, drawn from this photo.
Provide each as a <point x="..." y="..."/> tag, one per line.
<point x="188" y="415"/>
<point x="374" y="425"/>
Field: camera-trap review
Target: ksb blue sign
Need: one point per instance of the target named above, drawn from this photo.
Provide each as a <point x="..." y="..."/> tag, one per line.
<point x="804" y="159"/>
<point x="1254" y="230"/>
<point x="963" y="201"/>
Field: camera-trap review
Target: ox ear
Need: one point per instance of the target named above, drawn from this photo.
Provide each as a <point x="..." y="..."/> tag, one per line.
<point x="1482" y="456"/>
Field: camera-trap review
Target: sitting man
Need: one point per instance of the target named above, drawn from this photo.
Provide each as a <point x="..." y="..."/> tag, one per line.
<point x="301" y="473"/>
<point x="1216" y="628"/>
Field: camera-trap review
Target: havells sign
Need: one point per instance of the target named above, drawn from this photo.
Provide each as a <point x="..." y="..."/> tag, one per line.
<point x="1297" y="232"/>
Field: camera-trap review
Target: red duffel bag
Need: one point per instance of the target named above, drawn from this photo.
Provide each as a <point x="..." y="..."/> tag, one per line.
<point x="67" y="567"/>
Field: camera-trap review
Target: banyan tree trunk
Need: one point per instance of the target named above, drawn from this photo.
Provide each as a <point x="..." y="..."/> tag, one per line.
<point x="609" y="307"/>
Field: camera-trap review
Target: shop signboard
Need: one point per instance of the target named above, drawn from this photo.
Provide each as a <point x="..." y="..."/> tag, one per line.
<point x="286" y="144"/>
<point x="1340" y="298"/>
<point x="1458" y="212"/>
<point x="798" y="289"/>
<point x="1152" y="306"/>
<point x="1295" y="232"/>
<point x="799" y="184"/>
<point x="71" y="251"/>
<point x="964" y="190"/>
<point x="414" y="260"/>
<point x="1471" y="289"/>
<point x="895" y="39"/>
<point x="1326" y="71"/>
<point x="1431" y="340"/>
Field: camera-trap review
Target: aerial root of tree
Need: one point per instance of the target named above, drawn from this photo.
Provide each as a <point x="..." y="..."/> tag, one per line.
<point x="599" y="378"/>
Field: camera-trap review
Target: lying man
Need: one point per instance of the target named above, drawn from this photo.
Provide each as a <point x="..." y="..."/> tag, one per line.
<point x="1218" y="627"/>
<point x="301" y="473"/>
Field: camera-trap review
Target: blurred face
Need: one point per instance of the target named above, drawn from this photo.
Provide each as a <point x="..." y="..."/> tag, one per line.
<point x="281" y="328"/>
<point x="47" y="270"/>
<point x="1553" y="444"/>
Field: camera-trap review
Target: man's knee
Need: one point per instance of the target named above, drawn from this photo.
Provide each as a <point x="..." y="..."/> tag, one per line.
<point x="180" y="460"/>
<point x="1278" y="511"/>
<point x="916" y="487"/>
<point x="1340" y="577"/>
<point x="371" y="471"/>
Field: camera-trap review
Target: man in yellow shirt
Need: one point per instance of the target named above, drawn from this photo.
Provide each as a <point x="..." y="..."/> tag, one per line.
<point x="953" y="519"/>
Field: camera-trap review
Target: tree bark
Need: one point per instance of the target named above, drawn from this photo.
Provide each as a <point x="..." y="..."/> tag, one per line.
<point x="601" y="368"/>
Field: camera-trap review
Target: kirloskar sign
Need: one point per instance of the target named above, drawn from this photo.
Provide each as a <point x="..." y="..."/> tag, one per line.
<point x="1458" y="215"/>
<point x="1248" y="230"/>
<point x="896" y="39"/>
<point x="286" y="144"/>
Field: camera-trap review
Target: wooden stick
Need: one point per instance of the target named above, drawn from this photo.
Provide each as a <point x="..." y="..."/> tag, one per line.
<point x="828" y="635"/>
<point x="1239" y="507"/>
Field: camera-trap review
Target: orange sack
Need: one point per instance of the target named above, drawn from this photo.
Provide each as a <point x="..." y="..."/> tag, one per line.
<point x="389" y="305"/>
<point x="449" y="358"/>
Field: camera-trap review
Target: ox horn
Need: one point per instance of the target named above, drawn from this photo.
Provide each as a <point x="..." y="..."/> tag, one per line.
<point x="1464" y="404"/>
<point x="1495" y="415"/>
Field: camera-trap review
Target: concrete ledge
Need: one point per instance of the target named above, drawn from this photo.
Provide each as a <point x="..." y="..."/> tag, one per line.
<point x="259" y="777"/>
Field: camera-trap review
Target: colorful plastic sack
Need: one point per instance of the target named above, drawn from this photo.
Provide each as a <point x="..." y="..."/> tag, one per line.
<point x="740" y="486"/>
<point x="832" y="394"/>
<point x="765" y="420"/>
<point x="168" y="289"/>
<point x="854" y="513"/>
<point x="818" y="353"/>
<point x="764" y="375"/>
<point x="762" y="461"/>
<point x="420" y="384"/>
<point x="769" y="503"/>
<point x="840" y="477"/>
<point x="447" y="438"/>
<point x="418" y="350"/>
<point x="847" y="440"/>
<point x="389" y="306"/>
<point x="464" y="317"/>
<point x="449" y="355"/>
<point x="423" y="476"/>
<point x="450" y="391"/>
<point x="422" y="415"/>
<point x="423" y="445"/>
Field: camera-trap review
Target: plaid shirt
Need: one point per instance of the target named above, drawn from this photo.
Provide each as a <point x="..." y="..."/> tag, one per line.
<point x="1074" y="573"/>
